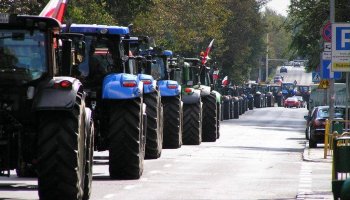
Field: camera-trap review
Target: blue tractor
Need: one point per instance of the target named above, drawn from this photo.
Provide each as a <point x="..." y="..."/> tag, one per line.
<point x="288" y="89"/>
<point x="170" y="91"/>
<point x="115" y="96"/>
<point x="149" y="73"/>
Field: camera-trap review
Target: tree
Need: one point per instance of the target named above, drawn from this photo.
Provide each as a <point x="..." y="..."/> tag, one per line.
<point x="244" y="33"/>
<point x="29" y="7"/>
<point x="89" y="12"/>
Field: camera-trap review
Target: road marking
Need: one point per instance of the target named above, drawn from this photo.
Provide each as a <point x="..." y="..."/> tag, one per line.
<point x="129" y="187"/>
<point x="305" y="181"/>
<point x="108" y="196"/>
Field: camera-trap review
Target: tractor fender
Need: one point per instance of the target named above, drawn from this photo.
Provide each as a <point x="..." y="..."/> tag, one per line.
<point x="169" y="88"/>
<point x="217" y="95"/>
<point x="52" y="96"/>
<point x="147" y="87"/>
<point x="192" y="98"/>
<point x="121" y="86"/>
<point x="205" y="90"/>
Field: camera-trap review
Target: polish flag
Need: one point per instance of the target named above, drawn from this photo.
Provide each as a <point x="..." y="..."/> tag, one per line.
<point x="206" y="53"/>
<point x="225" y="81"/>
<point x="216" y="74"/>
<point x="55" y="9"/>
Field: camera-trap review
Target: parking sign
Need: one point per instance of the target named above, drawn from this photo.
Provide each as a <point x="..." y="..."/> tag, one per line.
<point x="341" y="47"/>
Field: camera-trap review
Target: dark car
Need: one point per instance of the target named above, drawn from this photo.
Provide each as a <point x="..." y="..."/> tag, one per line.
<point x="317" y="122"/>
<point x="283" y="69"/>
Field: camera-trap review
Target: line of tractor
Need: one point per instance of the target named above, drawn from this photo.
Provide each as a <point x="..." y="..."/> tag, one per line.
<point x="68" y="90"/>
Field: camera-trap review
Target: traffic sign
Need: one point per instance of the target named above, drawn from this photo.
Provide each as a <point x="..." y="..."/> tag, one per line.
<point x="316" y="77"/>
<point x="327" y="32"/>
<point x="324" y="84"/>
<point x="327" y="47"/>
<point x="326" y="71"/>
<point x="341" y="47"/>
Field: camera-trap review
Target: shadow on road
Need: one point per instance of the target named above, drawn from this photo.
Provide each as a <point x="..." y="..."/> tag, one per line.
<point x="17" y="187"/>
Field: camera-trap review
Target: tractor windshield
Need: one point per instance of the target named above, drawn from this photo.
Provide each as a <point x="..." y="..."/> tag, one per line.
<point x="158" y="69"/>
<point x="103" y="56"/>
<point x="287" y="86"/>
<point x="22" y="56"/>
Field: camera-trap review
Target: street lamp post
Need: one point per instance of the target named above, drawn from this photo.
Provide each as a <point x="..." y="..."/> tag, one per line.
<point x="267" y="57"/>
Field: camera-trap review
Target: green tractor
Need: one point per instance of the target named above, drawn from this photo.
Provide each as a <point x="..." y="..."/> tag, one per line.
<point x="202" y="104"/>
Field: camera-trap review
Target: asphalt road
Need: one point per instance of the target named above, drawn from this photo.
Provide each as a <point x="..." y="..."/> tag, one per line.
<point x="296" y="73"/>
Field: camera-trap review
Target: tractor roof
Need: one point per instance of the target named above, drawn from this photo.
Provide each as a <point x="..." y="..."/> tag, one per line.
<point x="98" y="29"/>
<point x="28" y="21"/>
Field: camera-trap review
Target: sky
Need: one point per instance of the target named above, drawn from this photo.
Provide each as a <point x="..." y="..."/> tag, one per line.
<point x="280" y="6"/>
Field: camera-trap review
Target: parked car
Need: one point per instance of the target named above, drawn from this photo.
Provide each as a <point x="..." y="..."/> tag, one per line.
<point x="292" y="102"/>
<point x="317" y="122"/>
<point x="283" y="69"/>
<point x="308" y="119"/>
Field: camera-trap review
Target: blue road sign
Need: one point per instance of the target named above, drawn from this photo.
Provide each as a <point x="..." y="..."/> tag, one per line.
<point x="342" y="38"/>
<point x="341" y="47"/>
<point x="326" y="69"/>
<point x="316" y="77"/>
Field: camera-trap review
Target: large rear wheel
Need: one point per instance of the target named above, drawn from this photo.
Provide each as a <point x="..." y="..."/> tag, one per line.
<point x="154" y="137"/>
<point x="126" y="139"/>
<point x="90" y="131"/>
<point x="218" y="115"/>
<point x="61" y="153"/>
<point x="226" y="107"/>
<point x="209" y="118"/>
<point x="172" y="137"/>
<point x="192" y="127"/>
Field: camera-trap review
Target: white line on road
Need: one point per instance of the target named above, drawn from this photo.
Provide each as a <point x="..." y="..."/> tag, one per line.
<point x="108" y="196"/>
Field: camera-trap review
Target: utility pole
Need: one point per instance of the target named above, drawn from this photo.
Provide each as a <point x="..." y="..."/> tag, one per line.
<point x="331" y="74"/>
<point x="267" y="57"/>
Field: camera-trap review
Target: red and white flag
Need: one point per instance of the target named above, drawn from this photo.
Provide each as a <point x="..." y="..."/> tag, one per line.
<point x="225" y="81"/>
<point x="206" y="53"/>
<point x="55" y="9"/>
<point x="216" y="74"/>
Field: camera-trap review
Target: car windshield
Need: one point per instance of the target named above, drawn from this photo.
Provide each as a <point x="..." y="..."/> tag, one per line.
<point x="324" y="113"/>
<point x="23" y="57"/>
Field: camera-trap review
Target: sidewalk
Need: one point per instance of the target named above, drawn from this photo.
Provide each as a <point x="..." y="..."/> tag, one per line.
<point x="316" y="175"/>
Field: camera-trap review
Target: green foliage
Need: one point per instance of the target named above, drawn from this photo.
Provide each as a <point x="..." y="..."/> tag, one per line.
<point x="89" y="12"/>
<point x="186" y="27"/>
<point x="125" y="11"/>
<point x="28" y="7"/>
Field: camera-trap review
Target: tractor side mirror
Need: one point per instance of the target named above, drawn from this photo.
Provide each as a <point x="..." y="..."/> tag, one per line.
<point x="66" y="57"/>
